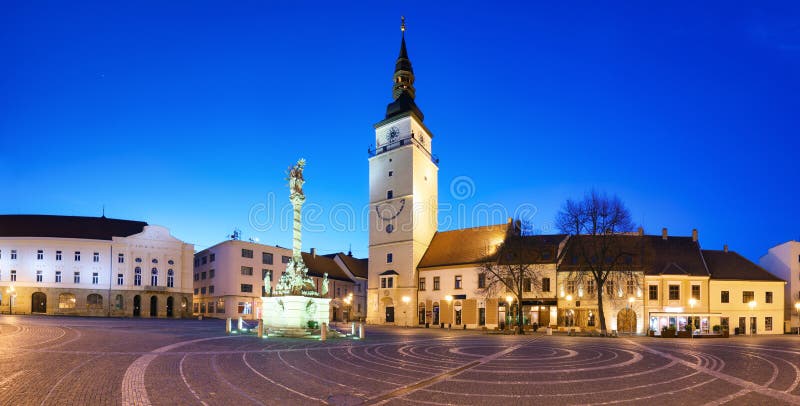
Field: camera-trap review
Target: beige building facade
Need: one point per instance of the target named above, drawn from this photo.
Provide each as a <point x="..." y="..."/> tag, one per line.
<point x="783" y="261"/>
<point x="231" y="277"/>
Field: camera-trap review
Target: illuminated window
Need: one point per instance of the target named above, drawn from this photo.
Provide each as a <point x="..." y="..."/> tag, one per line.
<point x="631" y="287"/>
<point x="589" y="286"/>
<point x="570" y="287"/>
<point x="66" y="301"/>
<point x="748" y="296"/>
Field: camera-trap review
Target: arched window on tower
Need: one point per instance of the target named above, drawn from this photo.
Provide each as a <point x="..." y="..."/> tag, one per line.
<point x="154" y="277"/>
<point x="170" y="278"/>
<point x="137" y="276"/>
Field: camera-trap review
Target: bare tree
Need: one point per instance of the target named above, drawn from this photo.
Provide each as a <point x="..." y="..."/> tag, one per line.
<point x="512" y="270"/>
<point x="601" y="247"/>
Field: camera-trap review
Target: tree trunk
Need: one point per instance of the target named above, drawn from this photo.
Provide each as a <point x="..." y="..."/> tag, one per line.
<point x="520" y="330"/>
<point x="600" y="312"/>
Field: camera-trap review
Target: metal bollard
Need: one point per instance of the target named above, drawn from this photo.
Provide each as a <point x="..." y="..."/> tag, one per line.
<point x="261" y="328"/>
<point x="228" y="326"/>
<point x="323" y="332"/>
<point x="361" y="332"/>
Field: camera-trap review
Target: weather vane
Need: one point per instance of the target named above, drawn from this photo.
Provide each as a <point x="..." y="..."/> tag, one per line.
<point x="403" y="23"/>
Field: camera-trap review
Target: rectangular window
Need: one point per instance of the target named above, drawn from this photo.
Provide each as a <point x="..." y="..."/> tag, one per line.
<point x="724" y="296"/>
<point x="748" y="296"/>
<point x="203" y="290"/>
<point x="589" y="287"/>
<point x="435" y="283"/>
<point x="285" y="259"/>
<point x="389" y="258"/>
<point x="247" y="270"/>
<point x="389" y="194"/>
<point x="212" y="257"/>
<point x="482" y="316"/>
<point x="211" y="289"/>
<point x="246" y="288"/>
<point x="266" y="273"/>
<point x="610" y="288"/>
<point x="266" y="258"/>
<point x="768" y="323"/>
<point x="768" y="297"/>
<point x="203" y="260"/>
<point x="58" y="255"/>
<point x="197" y="276"/>
<point x="674" y="292"/>
<point x="570" y="287"/>
<point x="421" y="283"/>
<point x="76" y="277"/>
<point x="211" y="274"/>
<point x="653" y="292"/>
<point x="696" y="292"/>
<point x="39" y="276"/>
<point x="383" y="283"/>
<point x="631" y="287"/>
<point x="77" y="256"/>
<point x="196" y="291"/>
<point x="40" y="255"/>
<point x="246" y="253"/>
<point x="13" y="275"/>
<point x="390" y="173"/>
<point x="457" y="282"/>
<point x="120" y="279"/>
<point x="481" y="281"/>
<point x="527" y="285"/>
<point x="95" y="278"/>
<point x="13" y="254"/>
<point x="545" y="284"/>
<point x="58" y="276"/>
<point x="120" y="258"/>
<point x="96" y="257"/>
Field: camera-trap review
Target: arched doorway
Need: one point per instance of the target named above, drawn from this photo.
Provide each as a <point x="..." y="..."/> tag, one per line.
<point x="170" y="302"/>
<point x="388" y="309"/>
<point x="39" y="303"/>
<point x="153" y="306"/>
<point x="626" y="321"/>
<point x="137" y="306"/>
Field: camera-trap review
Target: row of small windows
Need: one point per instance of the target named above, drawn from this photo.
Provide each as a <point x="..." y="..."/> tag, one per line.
<point x="203" y="275"/>
<point x="203" y="290"/>
<point x="266" y="258"/>
<point x="76" y="277"/>
<point x="40" y="254"/>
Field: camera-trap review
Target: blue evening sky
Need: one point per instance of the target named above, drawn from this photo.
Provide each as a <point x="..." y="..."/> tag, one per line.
<point x="187" y="113"/>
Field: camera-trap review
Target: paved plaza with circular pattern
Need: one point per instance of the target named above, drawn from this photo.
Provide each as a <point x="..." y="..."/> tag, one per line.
<point x="58" y="360"/>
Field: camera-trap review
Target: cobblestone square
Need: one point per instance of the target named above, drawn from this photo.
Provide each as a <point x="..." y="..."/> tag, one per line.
<point x="63" y="360"/>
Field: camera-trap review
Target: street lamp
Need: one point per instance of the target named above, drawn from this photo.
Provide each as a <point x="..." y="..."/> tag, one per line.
<point x="630" y="307"/>
<point x="692" y="302"/>
<point x="405" y="299"/>
<point x="12" y="294"/>
<point x="797" y="306"/>
<point x="752" y="305"/>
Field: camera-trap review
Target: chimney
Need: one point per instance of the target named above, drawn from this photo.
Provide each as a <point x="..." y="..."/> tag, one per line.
<point x="664" y="233"/>
<point x="725" y="247"/>
<point x="313" y="253"/>
<point x="641" y="231"/>
<point x="694" y="235"/>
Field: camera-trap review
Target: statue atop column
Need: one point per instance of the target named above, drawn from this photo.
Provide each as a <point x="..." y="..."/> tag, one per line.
<point x="296" y="281"/>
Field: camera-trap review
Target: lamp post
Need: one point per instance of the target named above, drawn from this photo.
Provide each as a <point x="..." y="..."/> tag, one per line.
<point x="12" y="294"/>
<point x="630" y="308"/>
<point x="797" y="307"/>
<point x="449" y="300"/>
<point x="405" y="299"/>
<point x="692" y="302"/>
<point x="752" y="305"/>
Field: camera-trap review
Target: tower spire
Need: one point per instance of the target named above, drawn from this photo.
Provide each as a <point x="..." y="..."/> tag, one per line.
<point x="403" y="72"/>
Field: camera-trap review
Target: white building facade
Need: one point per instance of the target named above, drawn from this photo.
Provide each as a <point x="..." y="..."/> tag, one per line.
<point x="783" y="261"/>
<point x="91" y="266"/>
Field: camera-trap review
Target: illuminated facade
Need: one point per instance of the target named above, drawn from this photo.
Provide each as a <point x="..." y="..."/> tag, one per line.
<point x="92" y="266"/>
<point x="229" y="279"/>
<point x="783" y="261"/>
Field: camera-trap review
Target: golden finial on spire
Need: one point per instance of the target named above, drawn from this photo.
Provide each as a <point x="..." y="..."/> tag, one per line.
<point x="403" y="24"/>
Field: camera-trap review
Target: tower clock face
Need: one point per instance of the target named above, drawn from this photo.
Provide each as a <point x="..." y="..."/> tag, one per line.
<point x="394" y="133"/>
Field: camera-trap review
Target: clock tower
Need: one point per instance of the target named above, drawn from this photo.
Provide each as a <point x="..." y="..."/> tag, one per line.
<point x="403" y="182"/>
